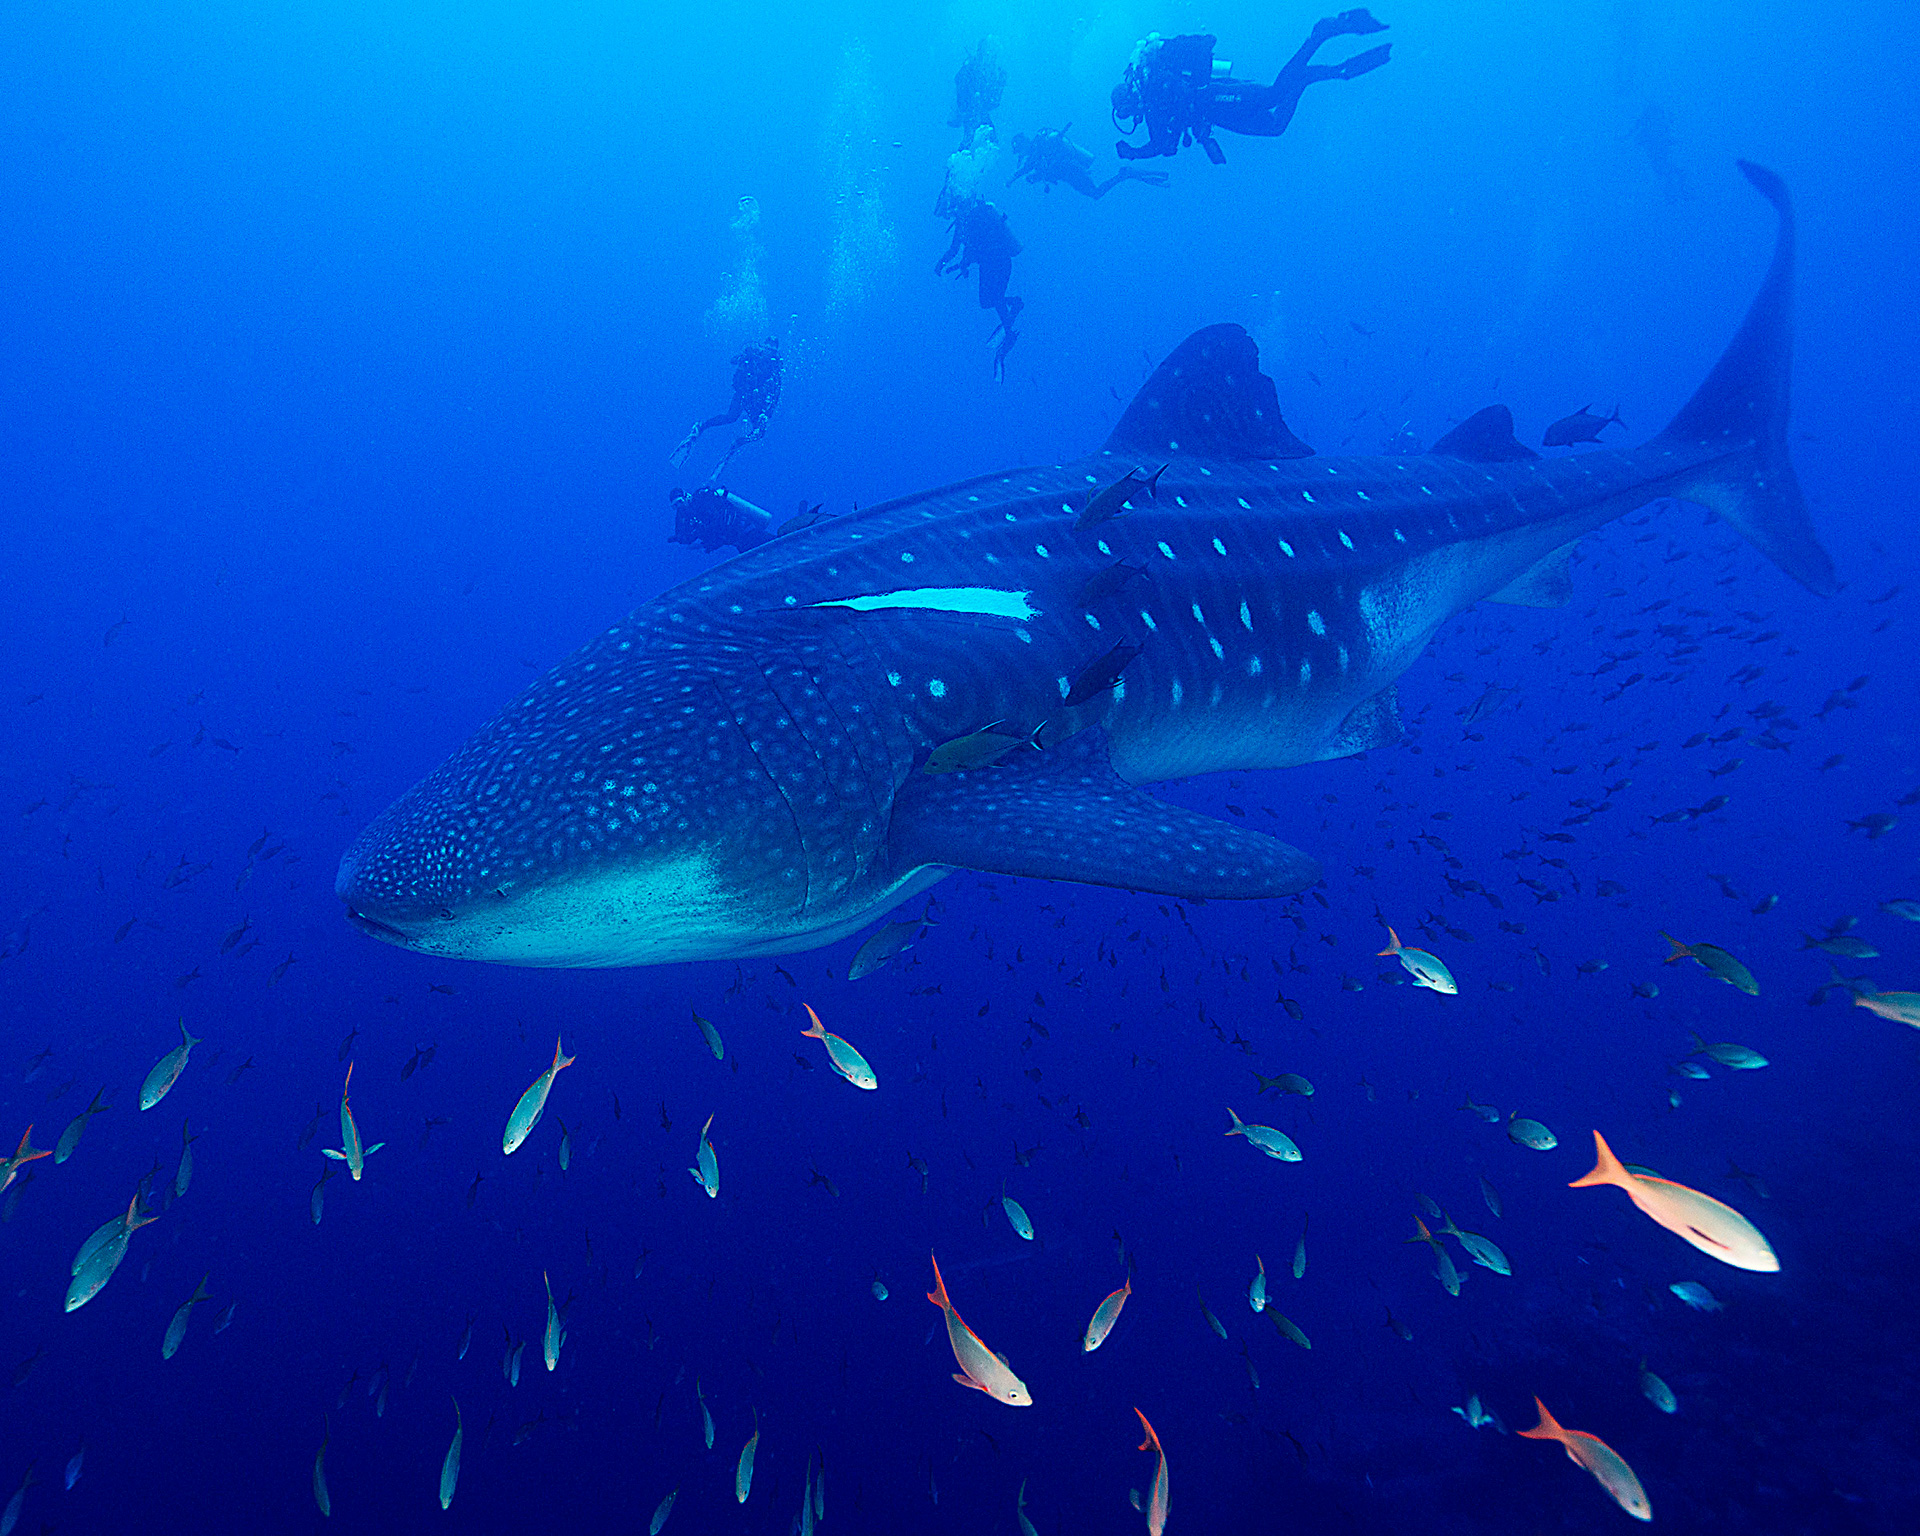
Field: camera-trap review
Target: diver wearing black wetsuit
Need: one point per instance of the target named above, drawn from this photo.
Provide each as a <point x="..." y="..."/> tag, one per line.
<point x="756" y="392"/>
<point x="1050" y="156"/>
<point x="977" y="88"/>
<point x="1181" y="93"/>
<point x="982" y="239"/>
<point x="713" y="517"/>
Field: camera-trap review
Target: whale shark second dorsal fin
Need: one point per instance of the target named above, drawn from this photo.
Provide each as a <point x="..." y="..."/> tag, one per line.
<point x="1208" y="400"/>
<point x="1064" y="814"/>
<point x="1485" y="437"/>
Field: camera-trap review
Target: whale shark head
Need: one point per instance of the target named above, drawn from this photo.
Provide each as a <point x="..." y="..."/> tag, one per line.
<point x="616" y="813"/>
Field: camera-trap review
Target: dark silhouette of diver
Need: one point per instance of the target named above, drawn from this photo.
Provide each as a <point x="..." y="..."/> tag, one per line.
<point x="1181" y="93"/>
<point x="981" y="238"/>
<point x="1050" y="156"/>
<point x="756" y="391"/>
<point x="713" y="517"/>
<point x="977" y="88"/>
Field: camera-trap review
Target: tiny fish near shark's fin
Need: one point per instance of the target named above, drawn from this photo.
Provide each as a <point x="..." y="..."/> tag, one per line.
<point x="1741" y="411"/>
<point x="1547" y="583"/>
<point x="1208" y="399"/>
<point x="1485" y="437"/>
<point x="1064" y="814"/>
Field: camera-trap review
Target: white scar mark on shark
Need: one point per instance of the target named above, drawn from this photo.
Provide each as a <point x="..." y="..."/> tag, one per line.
<point x="990" y="602"/>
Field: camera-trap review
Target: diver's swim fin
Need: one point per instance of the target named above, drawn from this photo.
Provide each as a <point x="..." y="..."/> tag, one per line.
<point x="1363" y="63"/>
<point x="1000" y="354"/>
<point x="1347" y="23"/>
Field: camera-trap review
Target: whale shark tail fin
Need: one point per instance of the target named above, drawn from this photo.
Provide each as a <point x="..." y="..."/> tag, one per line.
<point x="1064" y="814"/>
<point x="1741" y="410"/>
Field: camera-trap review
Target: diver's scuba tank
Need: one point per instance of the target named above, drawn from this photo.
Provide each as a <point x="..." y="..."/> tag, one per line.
<point x="1222" y="68"/>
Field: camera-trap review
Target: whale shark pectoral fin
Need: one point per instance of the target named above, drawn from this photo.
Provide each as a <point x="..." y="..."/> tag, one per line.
<point x="1547" y="583"/>
<point x="1064" y="814"/>
<point x="1373" y="722"/>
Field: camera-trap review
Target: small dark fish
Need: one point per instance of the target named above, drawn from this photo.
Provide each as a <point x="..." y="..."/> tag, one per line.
<point x="983" y="748"/>
<point x="1876" y="824"/>
<point x="1486" y="704"/>
<point x="1109" y="582"/>
<point x="124" y="929"/>
<point x="1112" y="500"/>
<point x="25" y="1368"/>
<point x="1103" y="675"/>
<point x="1844" y="945"/>
<point x="806" y="517"/>
<point x="882" y="946"/>
<point x="279" y="970"/>
<point x="1581" y="427"/>
<point x="233" y="938"/>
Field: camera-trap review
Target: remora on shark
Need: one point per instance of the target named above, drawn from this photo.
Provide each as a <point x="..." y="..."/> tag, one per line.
<point x="735" y="768"/>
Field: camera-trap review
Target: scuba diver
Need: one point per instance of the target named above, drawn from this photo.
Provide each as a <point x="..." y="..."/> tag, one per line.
<point x="981" y="238"/>
<point x="1050" y="156"/>
<point x="1181" y="92"/>
<point x="713" y="517"/>
<point x="977" y="88"/>
<point x="756" y="391"/>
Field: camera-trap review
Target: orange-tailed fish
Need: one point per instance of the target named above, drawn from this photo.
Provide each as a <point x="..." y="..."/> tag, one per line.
<point x="526" y="1114"/>
<point x="1597" y="1457"/>
<point x="1900" y="1007"/>
<point x="1713" y="1228"/>
<point x="1156" y="1500"/>
<point x="1425" y="969"/>
<point x="982" y="1368"/>
<point x="1104" y="1317"/>
<point x="707" y="1173"/>
<point x="351" y="1152"/>
<point x="1716" y="961"/>
<point x="1276" y="1144"/>
<point x="22" y="1155"/>
<point x="842" y="1057"/>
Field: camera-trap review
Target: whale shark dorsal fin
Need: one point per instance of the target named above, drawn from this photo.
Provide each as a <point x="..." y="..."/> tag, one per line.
<point x="1064" y="814"/>
<point x="1485" y="437"/>
<point x="1208" y="400"/>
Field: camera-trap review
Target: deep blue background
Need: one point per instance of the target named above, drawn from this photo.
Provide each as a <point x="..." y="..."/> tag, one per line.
<point x="343" y="349"/>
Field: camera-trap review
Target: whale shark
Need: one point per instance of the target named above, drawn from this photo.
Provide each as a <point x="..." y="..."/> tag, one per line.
<point x="775" y="753"/>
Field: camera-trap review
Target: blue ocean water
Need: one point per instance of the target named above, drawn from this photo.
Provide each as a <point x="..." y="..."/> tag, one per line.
<point x="346" y="349"/>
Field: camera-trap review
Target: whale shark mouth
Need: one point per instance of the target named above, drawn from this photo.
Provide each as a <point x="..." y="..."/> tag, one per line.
<point x="377" y="929"/>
